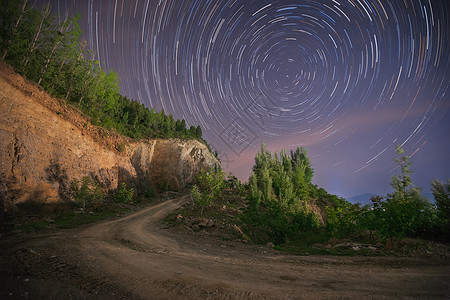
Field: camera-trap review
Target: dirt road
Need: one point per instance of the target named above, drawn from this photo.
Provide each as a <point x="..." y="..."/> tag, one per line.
<point x="138" y="257"/>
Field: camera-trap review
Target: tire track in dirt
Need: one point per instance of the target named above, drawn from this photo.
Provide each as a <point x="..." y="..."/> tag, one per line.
<point x="135" y="257"/>
<point x="139" y="247"/>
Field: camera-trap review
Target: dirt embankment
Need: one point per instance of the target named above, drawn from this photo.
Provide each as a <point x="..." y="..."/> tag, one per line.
<point x="45" y="144"/>
<point x="139" y="257"/>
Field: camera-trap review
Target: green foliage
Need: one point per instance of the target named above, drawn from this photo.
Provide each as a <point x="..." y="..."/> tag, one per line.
<point x="149" y="194"/>
<point x="209" y="186"/>
<point x="401" y="182"/>
<point x="86" y="192"/>
<point x="52" y="55"/>
<point x="281" y="178"/>
<point x="403" y="213"/>
<point x="343" y="220"/>
<point x="233" y="183"/>
<point x="398" y="218"/>
<point x="278" y="194"/>
<point x="441" y="194"/>
<point x="123" y="194"/>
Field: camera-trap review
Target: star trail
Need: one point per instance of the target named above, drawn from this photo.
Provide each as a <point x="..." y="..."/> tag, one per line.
<point x="346" y="79"/>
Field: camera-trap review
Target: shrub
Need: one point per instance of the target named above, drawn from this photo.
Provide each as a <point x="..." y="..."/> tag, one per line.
<point x="86" y="193"/>
<point x="209" y="185"/>
<point x="123" y="194"/>
<point x="343" y="220"/>
<point x="149" y="193"/>
<point x="441" y="192"/>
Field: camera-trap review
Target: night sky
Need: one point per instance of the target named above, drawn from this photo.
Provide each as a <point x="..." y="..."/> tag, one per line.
<point x="346" y="79"/>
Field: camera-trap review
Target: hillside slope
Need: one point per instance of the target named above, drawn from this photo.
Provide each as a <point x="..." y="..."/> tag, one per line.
<point x="45" y="144"/>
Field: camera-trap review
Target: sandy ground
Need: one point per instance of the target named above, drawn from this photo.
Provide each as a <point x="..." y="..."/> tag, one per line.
<point x="138" y="257"/>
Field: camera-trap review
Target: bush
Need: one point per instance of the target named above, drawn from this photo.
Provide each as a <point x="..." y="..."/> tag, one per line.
<point x="209" y="185"/>
<point x="149" y="194"/>
<point x="86" y="193"/>
<point x="441" y="192"/>
<point x="123" y="194"/>
<point x="343" y="220"/>
<point x="397" y="218"/>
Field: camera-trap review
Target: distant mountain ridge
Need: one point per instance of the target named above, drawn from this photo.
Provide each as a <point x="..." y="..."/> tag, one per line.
<point x="362" y="198"/>
<point x="365" y="198"/>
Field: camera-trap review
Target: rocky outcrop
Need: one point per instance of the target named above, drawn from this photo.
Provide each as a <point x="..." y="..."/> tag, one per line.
<point x="169" y="163"/>
<point x="45" y="144"/>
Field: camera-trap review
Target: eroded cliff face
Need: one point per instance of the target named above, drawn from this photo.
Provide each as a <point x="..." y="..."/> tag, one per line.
<point x="168" y="163"/>
<point x="45" y="144"/>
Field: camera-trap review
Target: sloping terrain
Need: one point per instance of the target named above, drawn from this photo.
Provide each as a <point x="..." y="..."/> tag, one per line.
<point x="139" y="257"/>
<point x="45" y="144"/>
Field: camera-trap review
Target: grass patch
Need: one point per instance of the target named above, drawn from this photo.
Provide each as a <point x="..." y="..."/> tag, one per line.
<point x="30" y="223"/>
<point x="71" y="219"/>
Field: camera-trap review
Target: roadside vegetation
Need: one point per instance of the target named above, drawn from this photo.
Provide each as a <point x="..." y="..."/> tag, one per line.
<point x="281" y="208"/>
<point x="90" y="203"/>
<point x="53" y="56"/>
<point x="401" y="214"/>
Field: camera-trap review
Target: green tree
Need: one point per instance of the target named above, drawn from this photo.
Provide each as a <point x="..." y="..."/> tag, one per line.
<point x="401" y="182"/>
<point x="441" y="192"/>
<point x="123" y="194"/>
<point x="343" y="220"/>
<point x="198" y="131"/>
<point x="37" y="46"/>
<point x="273" y="205"/>
<point x="209" y="186"/>
<point x="12" y="16"/>
<point x="63" y="37"/>
<point x="302" y="173"/>
<point x="286" y="191"/>
<point x="254" y="196"/>
<point x="405" y="212"/>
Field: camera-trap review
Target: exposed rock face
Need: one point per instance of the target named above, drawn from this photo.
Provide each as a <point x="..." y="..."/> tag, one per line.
<point x="169" y="163"/>
<point x="45" y="144"/>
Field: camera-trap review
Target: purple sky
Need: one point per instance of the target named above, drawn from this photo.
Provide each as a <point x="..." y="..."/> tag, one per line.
<point x="346" y="79"/>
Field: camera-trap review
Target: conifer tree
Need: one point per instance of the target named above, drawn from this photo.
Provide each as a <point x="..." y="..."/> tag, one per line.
<point x="401" y="182"/>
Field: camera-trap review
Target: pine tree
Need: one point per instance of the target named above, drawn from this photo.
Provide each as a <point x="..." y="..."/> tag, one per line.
<point x="286" y="191"/>
<point x="254" y="193"/>
<point x="401" y="182"/>
<point x="198" y="131"/>
<point x="405" y="211"/>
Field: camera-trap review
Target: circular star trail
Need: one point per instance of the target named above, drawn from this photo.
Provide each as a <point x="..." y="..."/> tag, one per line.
<point x="347" y="79"/>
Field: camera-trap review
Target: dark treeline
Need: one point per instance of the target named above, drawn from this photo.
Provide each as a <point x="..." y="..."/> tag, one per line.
<point x="53" y="56"/>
